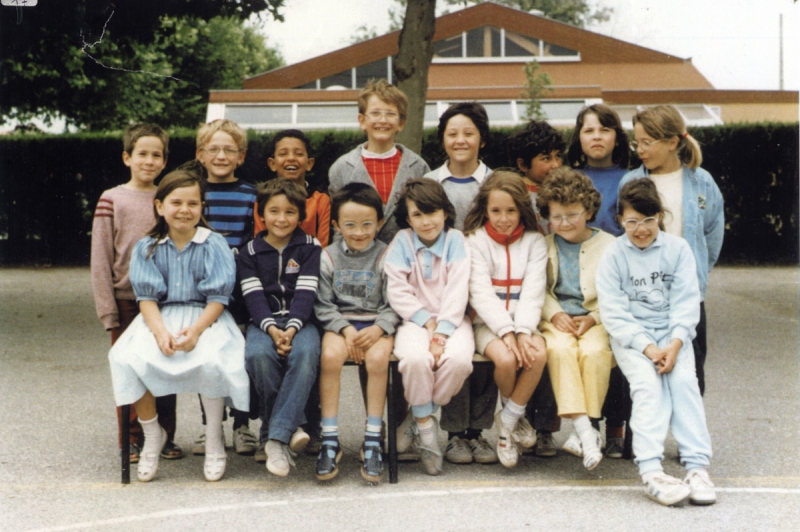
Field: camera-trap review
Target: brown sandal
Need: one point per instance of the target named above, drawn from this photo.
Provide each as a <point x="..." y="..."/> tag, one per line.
<point x="171" y="451"/>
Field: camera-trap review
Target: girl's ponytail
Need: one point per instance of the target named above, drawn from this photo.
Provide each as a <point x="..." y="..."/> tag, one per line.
<point x="689" y="151"/>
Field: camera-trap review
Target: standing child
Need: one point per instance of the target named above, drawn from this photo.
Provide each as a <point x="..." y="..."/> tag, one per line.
<point x="428" y="284"/>
<point x="535" y="151"/>
<point x="123" y="216"/>
<point x="600" y="149"/>
<point x="380" y="162"/>
<point x="672" y="158"/>
<point x="649" y="300"/>
<point x="221" y="148"/>
<point x="463" y="129"/>
<point x="184" y="340"/>
<point x="291" y="159"/>
<point x="353" y="308"/>
<point x="579" y="358"/>
<point x="506" y="288"/>
<point x="279" y="271"/>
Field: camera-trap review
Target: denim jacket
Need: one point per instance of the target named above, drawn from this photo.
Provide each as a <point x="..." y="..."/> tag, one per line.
<point x="703" y="217"/>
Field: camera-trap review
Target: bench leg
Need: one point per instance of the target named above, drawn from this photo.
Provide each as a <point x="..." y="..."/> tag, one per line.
<point x="392" y="422"/>
<point x="627" y="448"/>
<point x="125" y="452"/>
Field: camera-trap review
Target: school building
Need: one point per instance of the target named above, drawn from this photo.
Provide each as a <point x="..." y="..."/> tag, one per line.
<point x="479" y="55"/>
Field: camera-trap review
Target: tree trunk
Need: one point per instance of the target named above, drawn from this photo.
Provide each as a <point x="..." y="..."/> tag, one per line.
<point x="410" y="67"/>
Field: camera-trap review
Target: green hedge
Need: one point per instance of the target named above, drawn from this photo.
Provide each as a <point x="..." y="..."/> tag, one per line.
<point x="49" y="185"/>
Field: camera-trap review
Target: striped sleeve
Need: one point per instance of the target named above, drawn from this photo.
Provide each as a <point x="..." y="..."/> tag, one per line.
<point x="102" y="263"/>
<point x="252" y="290"/>
<point x="302" y="306"/>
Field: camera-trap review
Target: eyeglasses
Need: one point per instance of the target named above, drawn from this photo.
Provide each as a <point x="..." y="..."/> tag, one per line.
<point x="645" y="144"/>
<point x="572" y="218"/>
<point x="214" y="150"/>
<point x="352" y="227"/>
<point x="377" y="116"/>
<point x="633" y="224"/>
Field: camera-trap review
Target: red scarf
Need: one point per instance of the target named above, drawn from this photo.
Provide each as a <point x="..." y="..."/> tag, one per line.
<point x="504" y="240"/>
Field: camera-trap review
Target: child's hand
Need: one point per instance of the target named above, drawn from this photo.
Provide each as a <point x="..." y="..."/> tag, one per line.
<point x="436" y="350"/>
<point x="583" y="323"/>
<point x="511" y="344"/>
<point x="671" y="351"/>
<point x="653" y="353"/>
<point x="286" y="341"/>
<point x="367" y="337"/>
<point x="166" y="342"/>
<point x="564" y="323"/>
<point x="532" y="347"/>
<point x="276" y="335"/>
<point x="186" y="340"/>
<point x="431" y="327"/>
<point x="350" y="336"/>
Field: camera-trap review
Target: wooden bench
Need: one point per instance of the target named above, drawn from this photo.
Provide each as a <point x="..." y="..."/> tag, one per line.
<point x="391" y="424"/>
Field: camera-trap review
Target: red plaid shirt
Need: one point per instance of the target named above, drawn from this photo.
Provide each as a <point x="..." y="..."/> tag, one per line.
<point x="383" y="172"/>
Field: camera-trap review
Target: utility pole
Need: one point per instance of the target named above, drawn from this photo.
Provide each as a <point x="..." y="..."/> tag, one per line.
<point x="780" y="24"/>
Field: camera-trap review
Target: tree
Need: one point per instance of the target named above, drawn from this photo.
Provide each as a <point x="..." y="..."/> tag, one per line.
<point x="95" y="62"/>
<point x="536" y="85"/>
<point x="576" y="12"/>
<point x="410" y="67"/>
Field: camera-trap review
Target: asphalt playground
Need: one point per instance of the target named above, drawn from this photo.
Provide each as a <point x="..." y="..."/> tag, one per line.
<point x="59" y="467"/>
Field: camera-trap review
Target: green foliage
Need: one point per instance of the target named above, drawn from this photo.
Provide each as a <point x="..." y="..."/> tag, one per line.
<point x="99" y="65"/>
<point x="537" y="84"/>
<point x="51" y="184"/>
<point x="576" y="12"/>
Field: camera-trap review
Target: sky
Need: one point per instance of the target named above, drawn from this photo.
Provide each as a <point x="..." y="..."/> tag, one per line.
<point x="733" y="43"/>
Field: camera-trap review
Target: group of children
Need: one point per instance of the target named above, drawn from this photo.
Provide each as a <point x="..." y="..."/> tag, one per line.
<point x="556" y="274"/>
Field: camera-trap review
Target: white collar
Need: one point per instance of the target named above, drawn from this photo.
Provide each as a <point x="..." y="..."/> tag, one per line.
<point x="478" y="175"/>
<point x="200" y="236"/>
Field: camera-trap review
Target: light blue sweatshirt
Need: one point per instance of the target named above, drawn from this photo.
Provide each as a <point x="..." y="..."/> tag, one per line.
<point x="646" y="295"/>
<point x="703" y="218"/>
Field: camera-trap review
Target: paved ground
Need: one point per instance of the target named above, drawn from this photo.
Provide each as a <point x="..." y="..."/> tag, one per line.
<point x="59" y="468"/>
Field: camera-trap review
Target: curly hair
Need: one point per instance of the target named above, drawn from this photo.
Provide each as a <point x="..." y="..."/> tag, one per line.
<point x="566" y="185"/>
<point x="295" y="194"/>
<point x="504" y="180"/>
<point x="536" y="139"/>
<point x="429" y="196"/>
<point x="607" y="117"/>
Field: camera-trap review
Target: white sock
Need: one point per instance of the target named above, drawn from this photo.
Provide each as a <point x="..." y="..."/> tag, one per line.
<point x="427" y="436"/>
<point x="583" y="426"/>
<point x="511" y="413"/>
<point x="214" y="409"/>
<point x="152" y="435"/>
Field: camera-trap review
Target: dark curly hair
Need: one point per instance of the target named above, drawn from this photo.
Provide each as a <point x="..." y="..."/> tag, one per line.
<point x="429" y="196"/>
<point x="537" y="138"/>
<point x="565" y="186"/>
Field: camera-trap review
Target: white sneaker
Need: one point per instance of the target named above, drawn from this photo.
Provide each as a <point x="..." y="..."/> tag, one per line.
<point x="431" y="455"/>
<point x="405" y="433"/>
<point x="666" y="490"/>
<point x="702" y="489"/>
<point x="244" y="441"/>
<point x="507" y="451"/>
<point x="278" y="458"/>
<point x="299" y="440"/>
<point x="573" y="445"/>
<point x="592" y="455"/>
<point x="148" y="457"/>
<point x="524" y="434"/>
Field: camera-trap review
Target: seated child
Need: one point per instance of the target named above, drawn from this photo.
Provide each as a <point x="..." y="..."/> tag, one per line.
<point x="578" y="355"/>
<point x="358" y="321"/>
<point x="506" y="290"/>
<point x="184" y="340"/>
<point x="291" y="159"/>
<point x="427" y="272"/>
<point x="279" y="271"/>
<point x="463" y="130"/>
<point x="650" y="304"/>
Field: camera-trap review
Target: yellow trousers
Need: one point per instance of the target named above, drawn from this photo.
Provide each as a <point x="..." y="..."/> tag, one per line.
<point x="579" y="369"/>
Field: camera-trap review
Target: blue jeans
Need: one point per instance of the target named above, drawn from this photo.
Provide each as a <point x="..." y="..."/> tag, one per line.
<point x="282" y="383"/>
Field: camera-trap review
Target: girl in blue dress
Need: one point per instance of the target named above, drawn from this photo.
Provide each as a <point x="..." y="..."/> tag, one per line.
<point x="184" y="340"/>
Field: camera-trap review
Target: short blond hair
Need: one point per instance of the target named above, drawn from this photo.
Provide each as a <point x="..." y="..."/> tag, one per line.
<point x="386" y="92"/>
<point x="230" y="127"/>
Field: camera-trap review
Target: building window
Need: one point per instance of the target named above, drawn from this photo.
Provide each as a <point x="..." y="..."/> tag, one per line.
<point x="344" y="113"/>
<point x="517" y="45"/>
<point x="450" y="47"/>
<point x="342" y="79"/>
<point x="375" y="70"/>
<point x="491" y="43"/>
<point x="259" y="114"/>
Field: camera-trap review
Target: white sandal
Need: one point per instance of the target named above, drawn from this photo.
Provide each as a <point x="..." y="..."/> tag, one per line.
<point x="148" y="460"/>
<point x="214" y="466"/>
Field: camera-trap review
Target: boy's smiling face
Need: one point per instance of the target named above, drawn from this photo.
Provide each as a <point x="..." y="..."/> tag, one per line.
<point x="358" y="224"/>
<point x="220" y="165"/>
<point x="540" y="165"/>
<point x="291" y="160"/>
<point x="146" y="161"/>
<point x="380" y="121"/>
